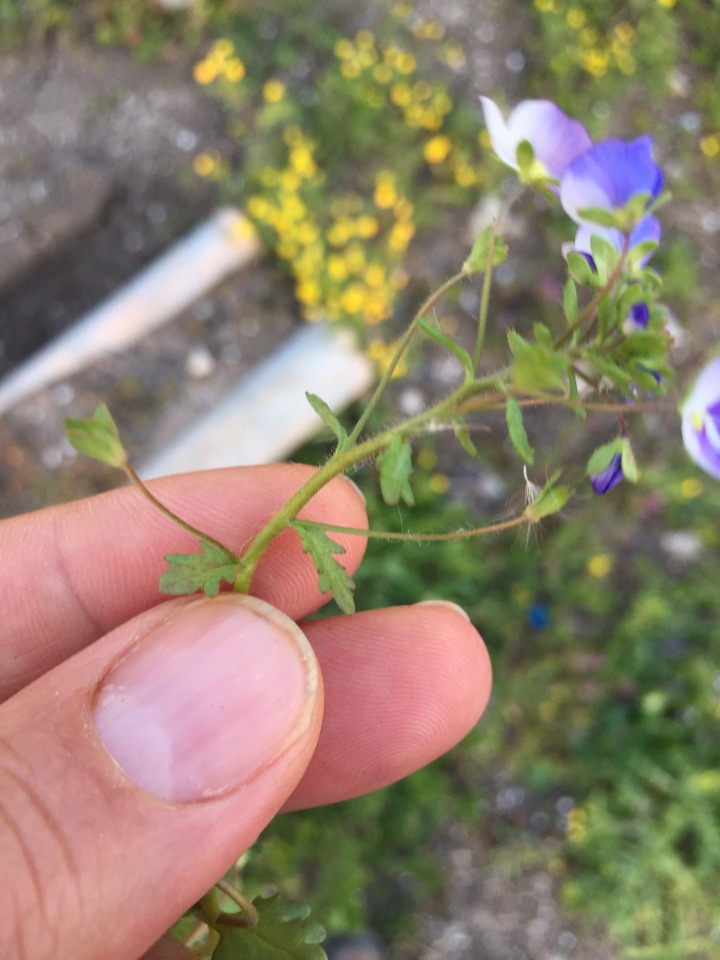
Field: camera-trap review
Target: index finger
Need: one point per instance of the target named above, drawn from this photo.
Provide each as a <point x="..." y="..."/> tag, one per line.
<point x="70" y="574"/>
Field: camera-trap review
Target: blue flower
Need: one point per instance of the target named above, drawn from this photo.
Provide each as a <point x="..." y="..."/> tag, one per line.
<point x="647" y="229"/>
<point x="609" y="477"/>
<point x="607" y="176"/>
<point x="701" y="419"/>
<point x="555" y="138"/>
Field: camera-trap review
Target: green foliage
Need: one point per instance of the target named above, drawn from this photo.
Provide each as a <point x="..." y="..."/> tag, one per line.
<point x="479" y="256"/>
<point x="282" y="932"/>
<point x="190" y="572"/>
<point x="328" y="418"/>
<point x="457" y="351"/>
<point x="536" y="366"/>
<point x="97" y="437"/>
<point x="551" y="499"/>
<point x="395" y="466"/>
<point x="516" y="430"/>
<point x="332" y="576"/>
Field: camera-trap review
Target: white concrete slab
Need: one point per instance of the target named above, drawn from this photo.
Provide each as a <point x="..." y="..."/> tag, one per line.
<point x="193" y="266"/>
<point x="268" y="416"/>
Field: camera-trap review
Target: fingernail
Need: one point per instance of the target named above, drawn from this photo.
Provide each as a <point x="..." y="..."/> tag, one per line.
<point x="208" y="698"/>
<point x="444" y="603"/>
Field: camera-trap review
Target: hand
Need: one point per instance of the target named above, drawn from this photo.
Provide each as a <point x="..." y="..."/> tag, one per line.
<point x="145" y="743"/>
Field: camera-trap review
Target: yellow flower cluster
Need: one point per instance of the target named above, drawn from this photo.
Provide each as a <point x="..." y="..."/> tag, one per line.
<point x="220" y="63"/>
<point x="576" y="825"/>
<point x="597" y="53"/>
<point x="339" y="274"/>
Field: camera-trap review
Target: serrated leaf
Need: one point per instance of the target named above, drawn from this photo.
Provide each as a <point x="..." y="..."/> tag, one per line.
<point x="97" y="437"/>
<point x="332" y="576"/>
<point x="283" y="932"/>
<point x="439" y="337"/>
<point x="551" y="498"/>
<point x="477" y="261"/>
<point x="464" y="438"/>
<point x="602" y="457"/>
<point x="190" y="572"/>
<point x="395" y="464"/>
<point x="570" y="302"/>
<point x="516" y="430"/>
<point x="328" y="418"/>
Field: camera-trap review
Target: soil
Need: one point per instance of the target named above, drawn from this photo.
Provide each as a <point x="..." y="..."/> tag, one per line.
<point x="96" y="182"/>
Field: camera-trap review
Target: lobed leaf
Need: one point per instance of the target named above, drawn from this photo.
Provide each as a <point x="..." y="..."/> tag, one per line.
<point x="328" y="418"/>
<point x="283" y="932"/>
<point x="190" y="572"/>
<point x="332" y="576"/>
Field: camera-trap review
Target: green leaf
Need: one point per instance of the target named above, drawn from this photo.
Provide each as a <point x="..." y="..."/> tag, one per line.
<point x="190" y="572"/>
<point x="516" y="430"/>
<point x="97" y="437"/>
<point x="332" y="576"/>
<point x="537" y="367"/>
<point x="550" y="499"/>
<point x="578" y="409"/>
<point x="439" y="337"/>
<point x="463" y="435"/>
<point x="395" y="465"/>
<point x="639" y="253"/>
<point x="628" y="462"/>
<point x="601" y="216"/>
<point x="580" y="270"/>
<point x="605" y="256"/>
<point x="602" y="456"/>
<point x="282" y="932"/>
<point x="570" y="301"/>
<point x="328" y="418"/>
<point x="477" y="261"/>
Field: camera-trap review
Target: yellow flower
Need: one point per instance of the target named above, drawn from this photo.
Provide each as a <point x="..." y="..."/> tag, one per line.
<point x="596" y="62"/>
<point x="437" y="149"/>
<point x="308" y="292"/>
<point x="351" y="70"/>
<point x="710" y="146"/>
<point x="668" y="4"/>
<point x="336" y="268"/>
<point x="344" y="49"/>
<point x="289" y="181"/>
<point x="599" y="566"/>
<point x="385" y="195"/>
<point x="439" y="483"/>
<point x="367" y="226"/>
<point x="382" y="73"/>
<point x="205" y="72"/>
<point x="400" y="94"/>
<point x="374" y="276"/>
<point x="353" y="298"/>
<point x="302" y="162"/>
<point x="690" y="488"/>
<point x="625" y="32"/>
<point x="273" y="91"/>
<point x="403" y="209"/>
<point x="406" y="63"/>
<point x="400" y="236"/>
<point x="234" y="70"/>
<point x="544" y="6"/>
<point x="576" y="18"/>
<point x="204" y="164"/>
<point x="365" y="39"/>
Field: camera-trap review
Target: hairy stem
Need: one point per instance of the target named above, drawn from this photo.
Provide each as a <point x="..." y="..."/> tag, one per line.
<point x="422" y="537"/>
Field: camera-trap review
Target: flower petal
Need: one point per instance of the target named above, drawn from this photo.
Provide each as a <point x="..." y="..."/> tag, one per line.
<point x="555" y="138"/>
<point x="609" y="477"/>
<point x="701" y="419"/>
<point x="608" y="175"/>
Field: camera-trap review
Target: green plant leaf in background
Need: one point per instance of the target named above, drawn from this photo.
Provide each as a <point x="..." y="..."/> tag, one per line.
<point x="283" y="932"/>
<point x="190" y="572"/>
<point x="328" y="418"/>
<point x="516" y="431"/>
<point x="395" y="465"/>
<point x="477" y="260"/>
<point x="332" y="576"/>
<point x="97" y="437"/>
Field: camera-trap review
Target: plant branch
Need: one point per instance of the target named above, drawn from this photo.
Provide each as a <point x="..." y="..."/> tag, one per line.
<point x="421" y="537"/>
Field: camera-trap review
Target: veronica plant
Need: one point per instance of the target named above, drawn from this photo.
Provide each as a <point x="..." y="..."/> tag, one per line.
<point x="606" y="352"/>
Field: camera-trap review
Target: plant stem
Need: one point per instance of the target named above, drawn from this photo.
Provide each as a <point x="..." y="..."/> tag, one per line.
<point x="250" y="913"/>
<point x="589" y="309"/>
<point x="342" y="460"/>
<point x="166" y="511"/>
<point x="487" y="279"/>
<point x="401" y="347"/>
<point x="422" y="537"/>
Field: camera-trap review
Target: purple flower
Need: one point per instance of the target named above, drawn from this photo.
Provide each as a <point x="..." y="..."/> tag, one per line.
<point x="701" y="419"/>
<point x="608" y="176"/>
<point x="647" y="229"/>
<point x="609" y="477"/>
<point x="555" y="138"/>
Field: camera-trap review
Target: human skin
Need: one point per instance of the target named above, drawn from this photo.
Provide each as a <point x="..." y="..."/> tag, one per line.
<point x="104" y="839"/>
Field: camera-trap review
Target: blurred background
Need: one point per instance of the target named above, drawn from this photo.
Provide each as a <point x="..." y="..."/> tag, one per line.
<point x="582" y="818"/>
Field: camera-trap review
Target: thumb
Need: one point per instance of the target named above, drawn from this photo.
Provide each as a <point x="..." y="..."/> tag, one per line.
<point x="133" y="775"/>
